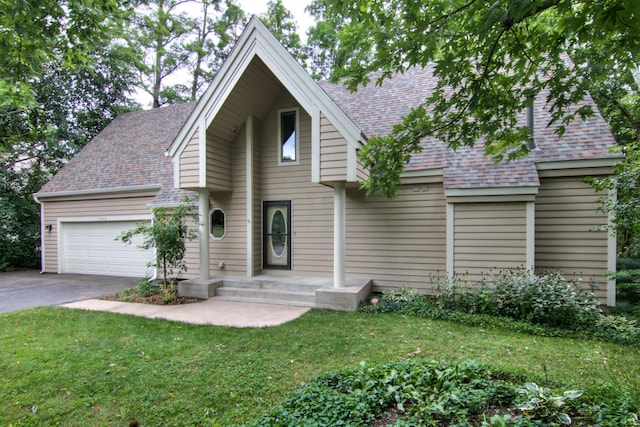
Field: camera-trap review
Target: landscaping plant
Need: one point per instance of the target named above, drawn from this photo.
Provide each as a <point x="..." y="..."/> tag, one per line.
<point x="167" y="233"/>
<point x="539" y="304"/>
<point x="429" y="393"/>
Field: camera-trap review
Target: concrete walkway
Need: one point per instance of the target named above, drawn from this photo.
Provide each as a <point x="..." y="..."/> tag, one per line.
<point x="213" y="311"/>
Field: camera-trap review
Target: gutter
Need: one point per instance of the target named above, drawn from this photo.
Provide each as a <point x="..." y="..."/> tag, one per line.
<point x="131" y="189"/>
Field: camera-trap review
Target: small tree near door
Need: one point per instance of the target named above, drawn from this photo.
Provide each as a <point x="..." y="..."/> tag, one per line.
<point x="167" y="233"/>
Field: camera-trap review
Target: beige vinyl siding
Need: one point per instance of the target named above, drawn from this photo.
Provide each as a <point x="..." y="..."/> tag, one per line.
<point x="219" y="175"/>
<point x="488" y="237"/>
<point x="399" y="242"/>
<point x="191" y="257"/>
<point x="333" y="153"/>
<point x="566" y="212"/>
<point x="361" y="172"/>
<point x="311" y="204"/>
<point x="189" y="163"/>
<point x="256" y="218"/>
<point x="93" y="208"/>
<point x="232" y="248"/>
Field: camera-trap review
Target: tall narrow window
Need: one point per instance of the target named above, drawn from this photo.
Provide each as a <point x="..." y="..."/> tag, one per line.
<point x="288" y="138"/>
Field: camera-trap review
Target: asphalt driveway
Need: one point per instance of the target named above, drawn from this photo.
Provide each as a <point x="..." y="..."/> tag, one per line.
<point x="26" y="289"/>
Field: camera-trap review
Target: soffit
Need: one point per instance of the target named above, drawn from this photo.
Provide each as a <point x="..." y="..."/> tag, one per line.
<point x="253" y="94"/>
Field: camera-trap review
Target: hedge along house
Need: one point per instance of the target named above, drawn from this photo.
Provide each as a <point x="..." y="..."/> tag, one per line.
<point x="270" y="156"/>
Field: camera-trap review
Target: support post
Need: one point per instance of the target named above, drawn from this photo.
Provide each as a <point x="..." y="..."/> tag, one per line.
<point x="450" y="239"/>
<point x="203" y="232"/>
<point x="339" y="230"/>
<point x="531" y="237"/>
<point x="249" y="189"/>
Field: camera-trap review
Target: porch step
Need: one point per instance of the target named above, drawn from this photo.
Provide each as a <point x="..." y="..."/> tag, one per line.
<point x="272" y="289"/>
<point x="268" y="295"/>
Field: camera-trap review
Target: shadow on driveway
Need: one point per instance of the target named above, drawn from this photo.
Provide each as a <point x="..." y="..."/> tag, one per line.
<point x="29" y="288"/>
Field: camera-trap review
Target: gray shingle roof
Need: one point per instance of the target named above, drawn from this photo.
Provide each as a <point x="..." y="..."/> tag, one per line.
<point x="376" y="109"/>
<point x="129" y="152"/>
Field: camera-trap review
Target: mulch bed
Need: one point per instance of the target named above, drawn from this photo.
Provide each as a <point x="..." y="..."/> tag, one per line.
<point x="132" y="295"/>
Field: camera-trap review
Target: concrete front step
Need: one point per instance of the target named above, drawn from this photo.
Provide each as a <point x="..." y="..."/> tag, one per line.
<point x="267" y="301"/>
<point x="300" y="291"/>
<point x="266" y="294"/>
<point x="279" y="285"/>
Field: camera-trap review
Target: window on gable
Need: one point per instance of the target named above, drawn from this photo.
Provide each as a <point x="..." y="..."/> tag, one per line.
<point x="288" y="136"/>
<point x="218" y="224"/>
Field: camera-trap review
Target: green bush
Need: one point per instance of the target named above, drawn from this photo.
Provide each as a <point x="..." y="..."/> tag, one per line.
<point x="543" y="299"/>
<point x="546" y="305"/>
<point x="628" y="263"/>
<point x="433" y="393"/>
<point x="147" y="287"/>
<point x="396" y="300"/>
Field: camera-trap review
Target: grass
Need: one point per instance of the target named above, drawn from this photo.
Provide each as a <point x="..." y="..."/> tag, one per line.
<point x="77" y="368"/>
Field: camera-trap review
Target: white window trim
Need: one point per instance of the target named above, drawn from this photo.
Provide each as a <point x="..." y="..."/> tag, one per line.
<point x="279" y="138"/>
<point x="211" y="211"/>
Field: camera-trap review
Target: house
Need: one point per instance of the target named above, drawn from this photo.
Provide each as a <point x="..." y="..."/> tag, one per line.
<point x="270" y="158"/>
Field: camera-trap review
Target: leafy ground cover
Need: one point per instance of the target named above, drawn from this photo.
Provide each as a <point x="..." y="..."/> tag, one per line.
<point x="69" y="367"/>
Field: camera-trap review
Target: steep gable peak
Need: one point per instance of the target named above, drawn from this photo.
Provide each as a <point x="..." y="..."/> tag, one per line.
<point x="256" y="41"/>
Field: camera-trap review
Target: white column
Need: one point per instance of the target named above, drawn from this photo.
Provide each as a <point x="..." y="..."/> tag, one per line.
<point x="450" y="238"/>
<point x="339" y="230"/>
<point x="249" y="189"/>
<point x="531" y="236"/>
<point x="203" y="232"/>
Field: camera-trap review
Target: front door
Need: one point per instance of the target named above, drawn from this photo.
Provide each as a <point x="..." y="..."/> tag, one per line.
<point x="277" y="235"/>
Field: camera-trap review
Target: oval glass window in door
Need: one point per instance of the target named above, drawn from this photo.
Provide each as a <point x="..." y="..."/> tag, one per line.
<point x="278" y="233"/>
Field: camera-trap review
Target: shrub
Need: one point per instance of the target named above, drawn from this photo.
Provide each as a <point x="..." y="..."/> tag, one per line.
<point x="396" y="300"/>
<point x="147" y="287"/>
<point x="544" y="299"/>
<point x="546" y="305"/>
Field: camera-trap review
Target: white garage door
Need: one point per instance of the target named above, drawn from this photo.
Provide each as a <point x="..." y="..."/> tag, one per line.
<point x="90" y="248"/>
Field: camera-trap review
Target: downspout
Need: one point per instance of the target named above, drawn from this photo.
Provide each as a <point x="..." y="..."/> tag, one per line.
<point x="35" y="198"/>
<point x="531" y="123"/>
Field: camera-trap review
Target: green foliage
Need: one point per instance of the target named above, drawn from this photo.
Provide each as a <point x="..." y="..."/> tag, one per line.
<point x="423" y="391"/>
<point x="541" y="405"/>
<point x="626" y="206"/>
<point x="167" y="234"/>
<point x="618" y="98"/>
<point x="112" y="369"/>
<point x="212" y="35"/>
<point x="490" y="59"/>
<point x="547" y="299"/>
<point x="19" y="217"/>
<point x="628" y="286"/>
<point x="36" y="33"/>
<point x="166" y="39"/>
<point x="147" y="287"/>
<point x="431" y="393"/>
<point x="36" y="140"/>
<point x="154" y="45"/>
<point x="546" y="305"/>
<point x="397" y="299"/>
<point x="283" y="26"/>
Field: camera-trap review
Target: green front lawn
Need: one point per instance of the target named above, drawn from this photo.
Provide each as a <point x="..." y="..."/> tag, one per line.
<point x="69" y="367"/>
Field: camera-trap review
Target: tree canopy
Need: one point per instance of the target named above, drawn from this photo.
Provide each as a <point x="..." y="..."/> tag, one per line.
<point x="490" y="59"/>
<point x="37" y="32"/>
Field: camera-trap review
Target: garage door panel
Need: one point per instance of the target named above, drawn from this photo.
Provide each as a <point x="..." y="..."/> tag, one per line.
<point x="90" y="248"/>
